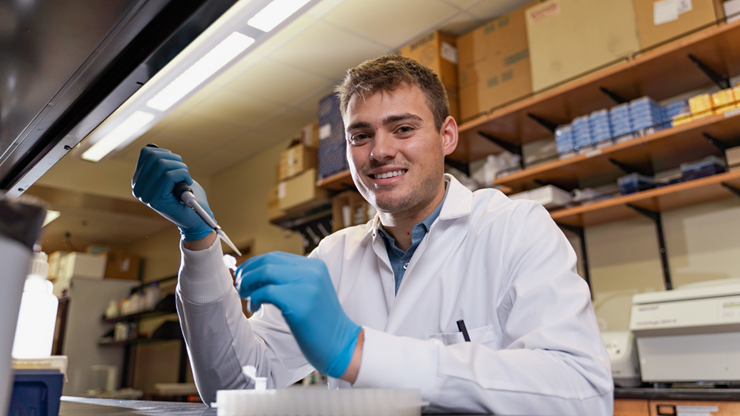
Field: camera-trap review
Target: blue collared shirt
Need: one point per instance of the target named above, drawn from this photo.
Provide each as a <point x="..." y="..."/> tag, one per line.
<point x="400" y="259"/>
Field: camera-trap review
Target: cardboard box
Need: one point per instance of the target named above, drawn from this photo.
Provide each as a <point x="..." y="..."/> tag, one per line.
<point x="300" y="192"/>
<point x="731" y="10"/>
<point x="55" y="264"/>
<point x="348" y="209"/>
<point x="569" y="38"/>
<point x="273" y="209"/>
<point x="453" y="97"/>
<point x="122" y="265"/>
<point x="660" y="21"/>
<point x="76" y="264"/>
<point x="494" y="66"/>
<point x="310" y="134"/>
<point x="438" y="51"/>
<point x="296" y="160"/>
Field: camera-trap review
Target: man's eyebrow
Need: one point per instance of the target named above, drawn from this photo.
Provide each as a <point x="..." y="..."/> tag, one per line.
<point x="358" y="125"/>
<point x="400" y="117"/>
<point x="388" y="120"/>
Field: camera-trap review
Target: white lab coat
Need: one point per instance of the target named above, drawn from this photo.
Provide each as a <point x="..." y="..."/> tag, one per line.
<point x="502" y="266"/>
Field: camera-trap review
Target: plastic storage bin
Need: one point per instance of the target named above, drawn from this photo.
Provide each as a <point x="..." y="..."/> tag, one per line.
<point x="620" y="120"/>
<point x="581" y="132"/>
<point x="564" y="139"/>
<point x="710" y="165"/>
<point x="332" y="143"/>
<point x="634" y="182"/>
<point x="36" y="392"/>
<point x="600" y="127"/>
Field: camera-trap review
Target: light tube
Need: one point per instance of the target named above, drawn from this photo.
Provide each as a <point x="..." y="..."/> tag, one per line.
<point x="50" y="216"/>
<point x="200" y="71"/>
<point x="274" y="13"/>
<point x="118" y="136"/>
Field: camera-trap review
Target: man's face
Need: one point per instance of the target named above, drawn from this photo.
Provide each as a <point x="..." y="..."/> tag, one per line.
<point x="395" y="153"/>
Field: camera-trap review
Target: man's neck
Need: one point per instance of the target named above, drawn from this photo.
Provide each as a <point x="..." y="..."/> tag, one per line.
<point x="399" y="225"/>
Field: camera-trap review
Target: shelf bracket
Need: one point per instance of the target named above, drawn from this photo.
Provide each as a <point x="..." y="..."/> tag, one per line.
<point x="542" y="122"/>
<point x="506" y="145"/>
<point x="580" y="232"/>
<point x="718" y="144"/>
<point x="627" y="168"/>
<point x="461" y="166"/>
<point x="719" y="80"/>
<point x="613" y="95"/>
<point x="732" y="189"/>
<point x="657" y="219"/>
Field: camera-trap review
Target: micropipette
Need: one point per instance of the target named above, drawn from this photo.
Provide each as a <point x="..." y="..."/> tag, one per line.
<point x="184" y="194"/>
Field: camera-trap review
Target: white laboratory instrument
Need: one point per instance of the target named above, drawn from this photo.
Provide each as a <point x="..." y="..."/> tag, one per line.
<point x="305" y="401"/>
<point x="620" y="345"/>
<point x="689" y="334"/>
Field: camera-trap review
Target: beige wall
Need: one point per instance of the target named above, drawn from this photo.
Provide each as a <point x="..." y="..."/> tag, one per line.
<point x="238" y="198"/>
<point x="701" y="242"/>
<point x="111" y="178"/>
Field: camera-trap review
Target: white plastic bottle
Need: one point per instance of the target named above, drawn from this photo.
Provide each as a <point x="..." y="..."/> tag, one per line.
<point x="34" y="333"/>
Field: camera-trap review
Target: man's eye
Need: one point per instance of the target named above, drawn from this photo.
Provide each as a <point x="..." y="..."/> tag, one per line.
<point x="405" y="129"/>
<point x="359" y="138"/>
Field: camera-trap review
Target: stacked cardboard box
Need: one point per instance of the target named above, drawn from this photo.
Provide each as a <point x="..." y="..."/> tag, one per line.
<point x="296" y="160"/>
<point x="494" y="65"/>
<point x="569" y="38"/>
<point x="660" y="21"/>
<point x="300" y="192"/>
<point x="438" y="51"/>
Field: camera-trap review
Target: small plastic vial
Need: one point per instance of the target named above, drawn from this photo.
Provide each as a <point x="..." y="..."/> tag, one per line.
<point x="34" y="333"/>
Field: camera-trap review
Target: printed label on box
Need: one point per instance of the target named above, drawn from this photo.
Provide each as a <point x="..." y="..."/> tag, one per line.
<point x="325" y="131"/>
<point x="544" y="12"/>
<point x="696" y="410"/>
<point x="448" y="52"/>
<point x="665" y="11"/>
<point x="282" y="190"/>
<point x="684" y="6"/>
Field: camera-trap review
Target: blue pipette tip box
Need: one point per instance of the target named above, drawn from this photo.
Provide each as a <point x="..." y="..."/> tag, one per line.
<point x="36" y="392"/>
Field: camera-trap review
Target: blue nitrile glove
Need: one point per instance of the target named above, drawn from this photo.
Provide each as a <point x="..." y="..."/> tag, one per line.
<point x="302" y="289"/>
<point x="157" y="172"/>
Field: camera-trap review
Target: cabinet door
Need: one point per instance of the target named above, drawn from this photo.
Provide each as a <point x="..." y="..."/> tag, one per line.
<point x="682" y="407"/>
<point x="629" y="407"/>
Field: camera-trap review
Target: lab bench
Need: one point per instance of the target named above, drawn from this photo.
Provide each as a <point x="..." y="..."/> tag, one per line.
<point x="628" y="402"/>
<point x="666" y="401"/>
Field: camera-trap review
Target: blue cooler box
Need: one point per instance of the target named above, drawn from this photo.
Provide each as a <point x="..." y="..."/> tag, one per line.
<point x="36" y="392"/>
<point x="332" y="143"/>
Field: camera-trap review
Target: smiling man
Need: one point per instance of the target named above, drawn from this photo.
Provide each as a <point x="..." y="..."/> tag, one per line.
<point x="378" y="305"/>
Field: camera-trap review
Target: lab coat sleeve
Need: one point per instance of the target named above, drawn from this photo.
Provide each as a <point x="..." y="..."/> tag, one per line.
<point x="551" y="359"/>
<point x="220" y="338"/>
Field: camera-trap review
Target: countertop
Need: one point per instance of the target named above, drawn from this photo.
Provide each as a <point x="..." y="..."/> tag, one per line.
<point x="647" y="393"/>
<point x="80" y="406"/>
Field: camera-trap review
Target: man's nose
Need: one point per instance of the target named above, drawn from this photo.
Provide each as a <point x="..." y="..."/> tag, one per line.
<point x="383" y="146"/>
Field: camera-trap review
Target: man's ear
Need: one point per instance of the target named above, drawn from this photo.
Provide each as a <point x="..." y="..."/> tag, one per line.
<point x="449" y="135"/>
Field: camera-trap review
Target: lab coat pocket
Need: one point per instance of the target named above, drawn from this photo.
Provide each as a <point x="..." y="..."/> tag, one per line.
<point x="482" y="335"/>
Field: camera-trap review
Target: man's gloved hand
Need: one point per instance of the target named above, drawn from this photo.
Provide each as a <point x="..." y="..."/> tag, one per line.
<point x="302" y="289"/>
<point x="157" y="172"/>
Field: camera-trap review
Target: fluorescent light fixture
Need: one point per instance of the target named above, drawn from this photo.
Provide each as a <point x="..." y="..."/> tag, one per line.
<point x="50" y="216"/>
<point x="206" y="66"/>
<point x="119" y="135"/>
<point x="216" y="49"/>
<point x="274" y="13"/>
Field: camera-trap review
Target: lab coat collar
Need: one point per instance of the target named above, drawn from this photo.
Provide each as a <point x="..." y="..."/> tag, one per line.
<point x="458" y="203"/>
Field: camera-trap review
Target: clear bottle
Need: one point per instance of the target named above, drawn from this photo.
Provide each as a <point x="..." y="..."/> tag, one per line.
<point x="34" y="334"/>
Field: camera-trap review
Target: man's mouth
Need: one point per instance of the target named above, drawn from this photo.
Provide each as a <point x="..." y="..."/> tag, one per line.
<point x="390" y="174"/>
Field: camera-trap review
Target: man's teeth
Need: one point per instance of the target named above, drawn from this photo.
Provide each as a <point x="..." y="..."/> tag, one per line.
<point x="389" y="174"/>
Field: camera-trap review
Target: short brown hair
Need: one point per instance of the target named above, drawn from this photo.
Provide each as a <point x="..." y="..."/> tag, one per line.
<point x="386" y="73"/>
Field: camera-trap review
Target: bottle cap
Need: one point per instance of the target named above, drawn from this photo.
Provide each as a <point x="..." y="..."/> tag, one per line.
<point x="39" y="264"/>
